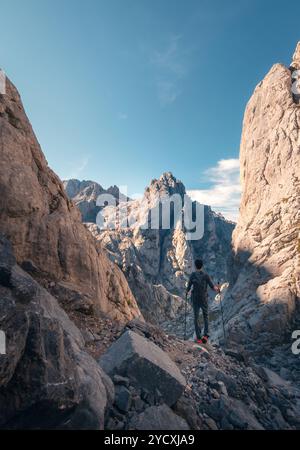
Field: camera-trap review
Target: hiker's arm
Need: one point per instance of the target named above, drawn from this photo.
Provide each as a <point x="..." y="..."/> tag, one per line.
<point x="189" y="285"/>
<point x="211" y="284"/>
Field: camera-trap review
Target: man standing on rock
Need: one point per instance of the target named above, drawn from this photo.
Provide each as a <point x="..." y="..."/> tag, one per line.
<point x="199" y="280"/>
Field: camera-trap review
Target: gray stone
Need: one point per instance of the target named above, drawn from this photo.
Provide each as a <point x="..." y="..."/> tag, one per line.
<point x="158" y="418"/>
<point x="110" y="389"/>
<point x="215" y="376"/>
<point x="31" y="268"/>
<point x="116" y="414"/>
<point x="87" y="336"/>
<point x="47" y="380"/>
<point x="274" y="380"/>
<point x="215" y="394"/>
<point x="229" y="382"/>
<point x="285" y="373"/>
<point x="210" y="423"/>
<point x="118" y="379"/>
<point x="187" y="409"/>
<point x="236" y="354"/>
<point x="119" y="425"/>
<point x="144" y="364"/>
<point x="232" y="411"/>
<point x="221" y="388"/>
<point x="123" y="398"/>
<point x="138" y="404"/>
<point x="148" y="396"/>
<point x="277" y="419"/>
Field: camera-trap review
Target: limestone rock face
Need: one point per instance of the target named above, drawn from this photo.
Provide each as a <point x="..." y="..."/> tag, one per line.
<point x="43" y="225"/>
<point x="157" y="262"/>
<point x="263" y="305"/>
<point x="47" y="380"/>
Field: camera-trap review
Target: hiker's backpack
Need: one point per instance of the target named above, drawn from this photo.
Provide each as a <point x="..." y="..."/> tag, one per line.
<point x="199" y="284"/>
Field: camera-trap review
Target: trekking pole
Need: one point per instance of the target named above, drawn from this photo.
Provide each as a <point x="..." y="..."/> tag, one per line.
<point x="185" y="313"/>
<point x="222" y="315"/>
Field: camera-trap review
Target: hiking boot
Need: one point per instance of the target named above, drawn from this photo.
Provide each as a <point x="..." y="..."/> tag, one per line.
<point x="204" y="339"/>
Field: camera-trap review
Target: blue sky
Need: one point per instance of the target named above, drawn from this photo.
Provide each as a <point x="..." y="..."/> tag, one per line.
<point x="119" y="91"/>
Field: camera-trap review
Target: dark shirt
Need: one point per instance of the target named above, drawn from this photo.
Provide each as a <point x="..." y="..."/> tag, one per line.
<point x="199" y="281"/>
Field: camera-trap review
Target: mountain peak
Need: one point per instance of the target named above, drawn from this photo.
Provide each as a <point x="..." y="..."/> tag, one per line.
<point x="166" y="185"/>
<point x="167" y="176"/>
<point x="74" y="187"/>
<point x="296" y="57"/>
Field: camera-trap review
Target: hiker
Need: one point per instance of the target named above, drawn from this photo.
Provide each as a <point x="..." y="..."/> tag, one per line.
<point x="199" y="280"/>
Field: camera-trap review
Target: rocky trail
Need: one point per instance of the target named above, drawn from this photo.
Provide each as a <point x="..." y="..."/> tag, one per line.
<point x="210" y="388"/>
<point x="223" y="390"/>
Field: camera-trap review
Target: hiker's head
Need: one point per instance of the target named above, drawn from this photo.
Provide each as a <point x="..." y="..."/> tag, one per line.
<point x="198" y="264"/>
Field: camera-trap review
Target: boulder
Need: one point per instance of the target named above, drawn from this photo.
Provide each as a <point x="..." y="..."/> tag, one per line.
<point x="123" y="398"/>
<point x="273" y="379"/>
<point x="187" y="409"/>
<point x="158" y="418"/>
<point x="236" y="413"/>
<point x="145" y="364"/>
<point x="47" y="380"/>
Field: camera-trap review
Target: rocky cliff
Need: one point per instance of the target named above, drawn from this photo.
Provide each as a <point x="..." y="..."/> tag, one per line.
<point x="45" y="227"/>
<point x="157" y="262"/>
<point x="47" y="379"/>
<point x="262" y="308"/>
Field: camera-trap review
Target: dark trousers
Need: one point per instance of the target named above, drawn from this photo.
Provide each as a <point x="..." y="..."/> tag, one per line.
<point x="197" y="305"/>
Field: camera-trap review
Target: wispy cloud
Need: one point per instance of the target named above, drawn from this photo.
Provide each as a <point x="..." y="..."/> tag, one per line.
<point x="77" y="167"/>
<point x="170" y="57"/>
<point x="122" y="116"/>
<point x="170" y="67"/>
<point x="225" y="191"/>
<point x="167" y="92"/>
